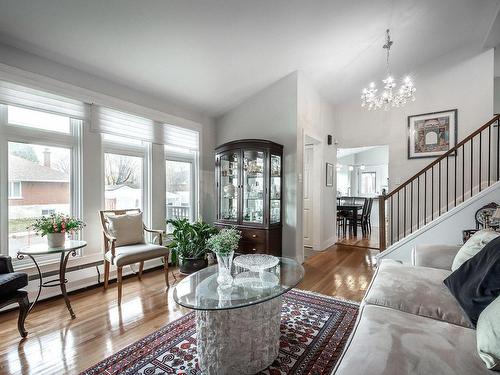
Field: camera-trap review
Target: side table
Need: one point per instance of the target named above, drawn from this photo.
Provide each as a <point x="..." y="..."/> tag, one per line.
<point x="70" y="247"/>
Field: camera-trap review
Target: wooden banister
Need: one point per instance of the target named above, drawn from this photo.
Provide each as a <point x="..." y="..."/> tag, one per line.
<point x="422" y="214"/>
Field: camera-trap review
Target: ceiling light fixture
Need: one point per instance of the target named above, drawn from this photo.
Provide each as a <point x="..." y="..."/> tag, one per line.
<point x="389" y="97"/>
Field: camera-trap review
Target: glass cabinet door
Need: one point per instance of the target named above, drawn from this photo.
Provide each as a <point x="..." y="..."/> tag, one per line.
<point x="275" y="193"/>
<point x="228" y="189"/>
<point x="253" y="186"/>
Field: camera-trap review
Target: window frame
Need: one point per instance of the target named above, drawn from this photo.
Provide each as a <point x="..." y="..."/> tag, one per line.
<point x="40" y="137"/>
<point x="191" y="157"/>
<point x="11" y="188"/>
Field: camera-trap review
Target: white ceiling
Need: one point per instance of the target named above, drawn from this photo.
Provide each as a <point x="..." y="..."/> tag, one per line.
<point x="212" y="54"/>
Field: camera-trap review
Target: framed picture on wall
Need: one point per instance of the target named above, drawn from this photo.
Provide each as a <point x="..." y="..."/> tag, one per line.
<point x="431" y="134"/>
<point x="329" y="174"/>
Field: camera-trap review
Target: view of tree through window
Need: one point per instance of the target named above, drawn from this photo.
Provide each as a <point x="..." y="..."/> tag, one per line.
<point x="179" y="186"/>
<point x="39" y="183"/>
<point x="123" y="181"/>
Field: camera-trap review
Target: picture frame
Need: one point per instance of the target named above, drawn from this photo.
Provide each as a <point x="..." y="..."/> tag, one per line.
<point x="432" y="134"/>
<point x="329" y="174"/>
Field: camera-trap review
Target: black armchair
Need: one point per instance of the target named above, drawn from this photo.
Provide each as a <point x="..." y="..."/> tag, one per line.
<point x="10" y="284"/>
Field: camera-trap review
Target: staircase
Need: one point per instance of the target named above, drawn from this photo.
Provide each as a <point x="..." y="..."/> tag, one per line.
<point x="453" y="178"/>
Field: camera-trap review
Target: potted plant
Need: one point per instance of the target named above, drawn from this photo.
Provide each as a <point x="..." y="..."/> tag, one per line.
<point x="223" y="244"/>
<point x="56" y="227"/>
<point x="189" y="244"/>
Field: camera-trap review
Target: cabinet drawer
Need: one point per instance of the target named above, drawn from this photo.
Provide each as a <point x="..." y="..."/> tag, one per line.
<point x="252" y="248"/>
<point x="254" y="235"/>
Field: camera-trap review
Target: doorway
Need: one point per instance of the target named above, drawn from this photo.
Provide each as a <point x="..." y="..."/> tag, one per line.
<point x="362" y="176"/>
<point x="311" y="196"/>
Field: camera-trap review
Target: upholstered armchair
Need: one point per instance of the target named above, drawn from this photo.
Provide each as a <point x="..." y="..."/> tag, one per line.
<point x="10" y="284"/>
<point x="125" y="244"/>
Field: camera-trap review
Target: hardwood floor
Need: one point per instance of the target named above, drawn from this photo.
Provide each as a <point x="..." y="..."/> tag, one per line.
<point x="58" y="345"/>
<point x="370" y="240"/>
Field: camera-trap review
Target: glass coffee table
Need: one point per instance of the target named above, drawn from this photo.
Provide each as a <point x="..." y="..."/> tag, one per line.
<point x="238" y="326"/>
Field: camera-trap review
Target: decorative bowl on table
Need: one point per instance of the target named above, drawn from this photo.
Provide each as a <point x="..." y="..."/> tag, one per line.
<point x="256" y="262"/>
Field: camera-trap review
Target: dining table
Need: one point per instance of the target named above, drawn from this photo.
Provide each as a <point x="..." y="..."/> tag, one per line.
<point x="353" y="208"/>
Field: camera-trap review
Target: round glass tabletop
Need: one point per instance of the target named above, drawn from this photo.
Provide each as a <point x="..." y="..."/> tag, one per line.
<point x="43" y="248"/>
<point x="200" y="291"/>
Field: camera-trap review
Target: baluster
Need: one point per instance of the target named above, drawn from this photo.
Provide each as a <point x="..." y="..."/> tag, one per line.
<point x="418" y="202"/>
<point x="463" y="172"/>
<point x="392" y="222"/>
<point x="398" y="209"/>
<point x="411" y="206"/>
<point x="432" y="193"/>
<point x="447" y="182"/>
<point x="439" y="189"/>
<point x="480" y="164"/>
<point x="455" y="179"/>
<point x="498" y="150"/>
<point x="489" y="155"/>
<point x="471" y="164"/>
<point x="404" y="212"/>
<point x="425" y="197"/>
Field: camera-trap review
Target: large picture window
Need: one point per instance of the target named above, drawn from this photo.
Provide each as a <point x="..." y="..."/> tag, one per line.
<point x="42" y="162"/>
<point x="179" y="183"/>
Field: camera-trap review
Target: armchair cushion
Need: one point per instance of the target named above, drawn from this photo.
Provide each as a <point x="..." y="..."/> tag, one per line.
<point x="136" y="253"/>
<point x="11" y="282"/>
<point x="128" y="229"/>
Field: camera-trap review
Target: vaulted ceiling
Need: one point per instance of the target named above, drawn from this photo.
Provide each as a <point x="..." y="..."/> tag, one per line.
<point x="212" y="54"/>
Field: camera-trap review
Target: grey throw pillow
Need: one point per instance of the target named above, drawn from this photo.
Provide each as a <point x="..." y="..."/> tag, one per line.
<point x="488" y="335"/>
<point x="473" y="246"/>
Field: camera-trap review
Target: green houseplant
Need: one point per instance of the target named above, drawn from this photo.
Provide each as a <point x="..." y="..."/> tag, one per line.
<point x="56" y="227"/>
<point x="189" y="244"/>
<point x="223" y="244"/>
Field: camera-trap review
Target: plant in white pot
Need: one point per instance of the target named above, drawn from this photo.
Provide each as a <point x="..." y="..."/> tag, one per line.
<point x="223" y="244"/>
<point x="56" y="227"/>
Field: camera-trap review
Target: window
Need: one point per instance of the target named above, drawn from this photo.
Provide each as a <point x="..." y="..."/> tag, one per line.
<point x="122" y="181"/>
<point x="38" y="120"/>
<point x="15" y="190"/>
<point x="368" y="183"/>
<point x="179" y="195"/>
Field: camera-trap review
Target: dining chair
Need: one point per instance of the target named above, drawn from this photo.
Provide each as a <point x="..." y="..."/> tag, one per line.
<point x="124" y="244"/>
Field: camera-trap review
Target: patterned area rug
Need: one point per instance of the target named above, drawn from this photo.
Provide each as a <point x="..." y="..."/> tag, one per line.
<point x="314" y="330"/>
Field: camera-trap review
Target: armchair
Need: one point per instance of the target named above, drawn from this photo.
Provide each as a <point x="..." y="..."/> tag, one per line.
<point x="124" y="244"/>
<point x="10" y="284"/>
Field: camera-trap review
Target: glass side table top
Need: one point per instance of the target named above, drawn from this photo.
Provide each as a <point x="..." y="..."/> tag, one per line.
<point x="200" y="291"/>
<point x="43" y="248"/>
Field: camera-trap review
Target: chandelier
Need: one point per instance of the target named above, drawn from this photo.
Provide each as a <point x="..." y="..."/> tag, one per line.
<point x="390" y="97"/>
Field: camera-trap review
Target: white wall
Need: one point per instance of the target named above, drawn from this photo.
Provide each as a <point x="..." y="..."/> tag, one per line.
<point x="457" y="81"/>
<point x="447" y="230"/>
<point x="271" y="114"/>
<point x="315" y="119"/>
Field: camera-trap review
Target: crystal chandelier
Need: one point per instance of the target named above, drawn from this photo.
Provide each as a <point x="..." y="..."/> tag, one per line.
<point x="390" y="97"/>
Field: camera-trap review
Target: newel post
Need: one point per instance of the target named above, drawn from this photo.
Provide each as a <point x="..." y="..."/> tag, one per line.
<point x="381" y="221"/>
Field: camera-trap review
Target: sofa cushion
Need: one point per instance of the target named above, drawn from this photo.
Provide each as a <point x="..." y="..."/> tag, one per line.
<point x="476" y="283"/>
<point x="136" y="253"/>
<point x="127" y="229"/>
<point x="473" y="246"/>
<point x="488" y="335"/>
<point x="435" y="256"/>
<point x="391" y="342"/>
<point x="11" y="282"/>
<point x="415" y="290"/>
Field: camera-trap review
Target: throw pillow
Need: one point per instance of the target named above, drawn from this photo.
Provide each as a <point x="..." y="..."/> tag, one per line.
<point x="488" y="335"/>
<point x="475" y="284"/>
<point x="127" y="229"/>
<point x="473" y="246"/>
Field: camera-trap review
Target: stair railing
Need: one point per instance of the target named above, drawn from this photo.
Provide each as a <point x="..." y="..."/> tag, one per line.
<point x="473" y="164"/>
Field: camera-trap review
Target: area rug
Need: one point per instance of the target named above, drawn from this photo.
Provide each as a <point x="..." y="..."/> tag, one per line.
<point x="314" y="330"/>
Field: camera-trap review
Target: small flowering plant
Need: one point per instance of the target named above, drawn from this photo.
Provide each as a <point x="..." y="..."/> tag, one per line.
<point x="56" y="223"/>
<point x="224" y="242"/>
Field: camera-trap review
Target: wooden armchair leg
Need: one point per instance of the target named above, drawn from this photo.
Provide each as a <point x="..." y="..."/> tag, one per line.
<point x="165" y="268"/>
<point x="24" y="306"/>
<point x="106" y="274"/>
<point x="141" y="268"/>
<point x="119" y="282"/>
